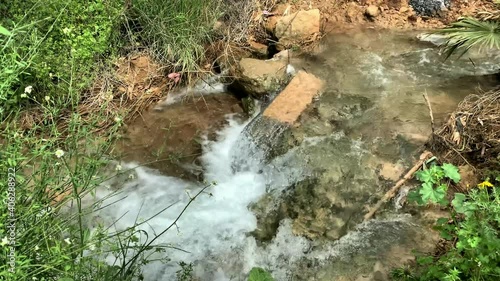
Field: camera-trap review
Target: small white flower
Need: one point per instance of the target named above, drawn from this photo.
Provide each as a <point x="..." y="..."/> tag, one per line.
<point x="68" y="241"/>
<point x="118" y="167"/>
<point x="118" y="119"/>
<point x="92" y="247"/>
<point x="24" y="96"/>
<point x="66" y="30"/>
<point x="28" y="90"/>
<point x="131" y="176"/>
<point x="5" y="241"/>
<point x="37" y="248"/>
<point x="50" y="74"/>
<point x="59" y="153"/>
<point x="47" y="98"/>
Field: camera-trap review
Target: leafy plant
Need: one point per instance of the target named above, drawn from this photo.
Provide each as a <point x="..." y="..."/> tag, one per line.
<point x="474" y="234"/>
<point x="434" y="187"/>
<point x="468" y="33"/>
<point x="56" y="44"/>
<point x="259" y="274"/>
<point x="185" y="273"/>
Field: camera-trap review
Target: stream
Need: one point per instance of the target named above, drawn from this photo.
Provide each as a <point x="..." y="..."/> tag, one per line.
<point x="291" y="199"/>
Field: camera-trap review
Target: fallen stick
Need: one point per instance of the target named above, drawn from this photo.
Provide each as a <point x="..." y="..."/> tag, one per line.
<point x="426" y="97"/>
<point x="392" y="192"/>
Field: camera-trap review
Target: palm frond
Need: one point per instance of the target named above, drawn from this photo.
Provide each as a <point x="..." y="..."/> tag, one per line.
<point x="468" y="33"/>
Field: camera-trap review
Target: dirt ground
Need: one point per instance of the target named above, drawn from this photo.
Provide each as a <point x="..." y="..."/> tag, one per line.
<point x="341" y="14"/>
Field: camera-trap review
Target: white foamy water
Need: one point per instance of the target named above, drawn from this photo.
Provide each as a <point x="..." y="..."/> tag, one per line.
<point x="214" y="227"/>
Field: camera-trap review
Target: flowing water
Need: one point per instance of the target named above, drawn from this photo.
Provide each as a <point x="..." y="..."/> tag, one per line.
<point x="303" y="189"/>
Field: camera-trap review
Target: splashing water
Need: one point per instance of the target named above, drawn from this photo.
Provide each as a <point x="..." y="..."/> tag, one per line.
<point x="250" y="159"/>
<point x="213" y="227"/>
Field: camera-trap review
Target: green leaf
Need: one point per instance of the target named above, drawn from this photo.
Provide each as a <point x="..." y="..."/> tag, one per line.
<point x="451" y="172"/>
<point x="415" y="197"/>
<point x="259" y="274"/>
<point x="4" y="31"/>
<point x="442" y="221"/>
<point x="461" y="206"/>
<point x="424" y="176"/>
<point x="468" y="33"/>
<point x="430" y="194"/>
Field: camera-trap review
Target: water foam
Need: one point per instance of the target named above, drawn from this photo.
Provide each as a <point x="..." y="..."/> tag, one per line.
<point x="213" y="230"/>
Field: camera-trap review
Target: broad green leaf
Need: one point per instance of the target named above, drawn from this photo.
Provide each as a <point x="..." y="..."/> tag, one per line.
<point x="424" y="176"/>
<point x="458" y="201"/>
<point x="442" y="221"/>
<point x="430" y="194"/>
<point x="474" y="241"/>
<point x="451" y="172"/>
<point x="4" y="31"/>
<point x="461" y="206"/>
<point x="415" y="197"/>
<point x="445" y="234"/>
<point x="437" y="173"/>
<point x="259" y="274"/>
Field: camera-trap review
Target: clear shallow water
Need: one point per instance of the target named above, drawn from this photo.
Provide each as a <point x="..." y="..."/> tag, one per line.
<point x="375" y="84"/>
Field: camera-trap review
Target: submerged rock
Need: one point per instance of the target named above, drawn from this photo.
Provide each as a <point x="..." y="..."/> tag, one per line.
<point x="295" y="98"/>
<point x="260" y="77"/>
<point x="430" y="8"/>
<point x="297" y="27"/>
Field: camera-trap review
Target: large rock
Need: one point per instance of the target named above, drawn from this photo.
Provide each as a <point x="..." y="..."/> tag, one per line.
<point x="259" y="77"/>
<point x="297" y="27"/>
<point x="430" y="8"/>
<point x="295" y="98"/>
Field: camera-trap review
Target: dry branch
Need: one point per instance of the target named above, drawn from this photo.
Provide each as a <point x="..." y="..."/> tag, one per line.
<point x="392" y="192"/>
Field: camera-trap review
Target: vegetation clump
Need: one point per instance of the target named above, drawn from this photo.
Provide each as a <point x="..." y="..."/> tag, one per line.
<point x="50" y="54"/>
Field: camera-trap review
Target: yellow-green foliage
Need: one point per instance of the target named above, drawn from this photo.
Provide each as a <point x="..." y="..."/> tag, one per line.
<point x="56" y="42"/>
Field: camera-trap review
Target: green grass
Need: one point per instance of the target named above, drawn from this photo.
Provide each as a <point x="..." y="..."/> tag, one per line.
<point x="57" y="44"/>
<point x="49" y="53"/>
<point x="175" y="30"/>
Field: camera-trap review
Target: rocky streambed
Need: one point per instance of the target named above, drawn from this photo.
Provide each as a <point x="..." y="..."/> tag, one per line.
<point x="334" y="128"/>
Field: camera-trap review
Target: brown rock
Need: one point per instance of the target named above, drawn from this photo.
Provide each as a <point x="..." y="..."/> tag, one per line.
<point x="270" y="23"/>
<point x="379" y="272"/>
<point x="257" y="47"/>
<point x="391" y="171"/>
<point x="259" y="77"/>
<point x="372" y="11"/>
<point x="297" y="27"/>
<point x="285" y="54"/>
<point x="468" y="177"/>
<point x="295" y="98"/>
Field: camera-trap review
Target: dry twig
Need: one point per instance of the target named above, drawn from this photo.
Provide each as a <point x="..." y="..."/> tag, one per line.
<point x="392" y="192"/>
